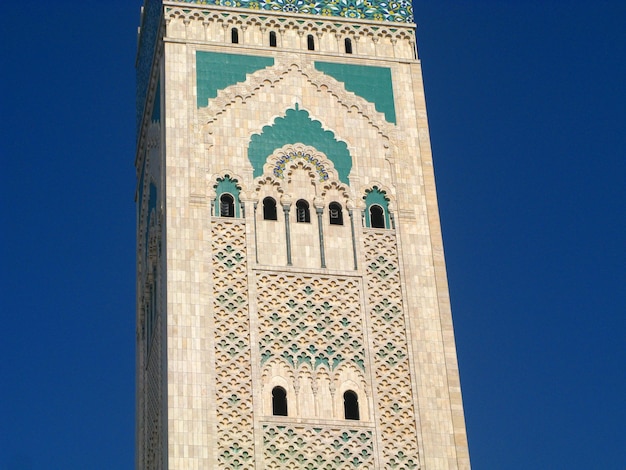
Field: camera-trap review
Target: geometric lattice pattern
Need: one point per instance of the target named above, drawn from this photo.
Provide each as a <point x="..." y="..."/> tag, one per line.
<point x="317" y="448"/>
<point x="396" y="417"/>
<point x="232" y="347"/>
<point x="310" y="320"/>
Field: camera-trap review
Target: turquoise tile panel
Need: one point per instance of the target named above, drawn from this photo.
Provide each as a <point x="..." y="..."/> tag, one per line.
<point x="370" y="83"/>
<point x="297" y="127"/>
<point x="376" y="196"/>
<point x="216" y="71"/>
<point x="227" y="185"/>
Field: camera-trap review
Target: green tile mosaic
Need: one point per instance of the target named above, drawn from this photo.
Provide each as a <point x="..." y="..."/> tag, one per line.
<point x="398" y="11"/>
<point x="216" y="71"/>
<point x="370" y="83"/>
<point x="298" y="127"/>
<point x="229" y="186"/>
<point x="376" y="196"/>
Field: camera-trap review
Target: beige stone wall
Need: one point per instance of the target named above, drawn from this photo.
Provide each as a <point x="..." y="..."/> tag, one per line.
<point x="204" y="318"/>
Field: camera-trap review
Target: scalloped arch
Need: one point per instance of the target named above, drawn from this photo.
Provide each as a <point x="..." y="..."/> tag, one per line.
<point x="297" y="127"/>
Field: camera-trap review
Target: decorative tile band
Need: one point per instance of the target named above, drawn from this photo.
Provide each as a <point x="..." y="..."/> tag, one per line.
<point x="279" y="169"/>
<point x="400" y="11"/>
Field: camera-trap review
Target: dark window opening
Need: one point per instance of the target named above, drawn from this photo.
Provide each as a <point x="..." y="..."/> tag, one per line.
<point x="269" y="209"/>
<point x="336" y="213"/>
<point x="377" y="216"/>
<point x="272" y="39"/>
<point x="351" y="405"/>
<point x="279" y="401"/>
<point x="302" y="211"/>
<point x="348" y="44"/>
<point x="227" y="206"/>
<point x="310" y="42"/>
<point x="234" y="36"/>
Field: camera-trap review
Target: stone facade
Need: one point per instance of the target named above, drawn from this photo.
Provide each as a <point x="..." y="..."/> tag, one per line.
<point x="288" y="243"/>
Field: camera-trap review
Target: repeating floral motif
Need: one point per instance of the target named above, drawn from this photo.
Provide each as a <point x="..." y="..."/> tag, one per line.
<point x="232" y="348"/>
<point x="399" y="11"/>
<point x="316" y="448"/>
<point x="312" y="321"/>
<point x="279" y="167"/>
<point x="396" y="416"/>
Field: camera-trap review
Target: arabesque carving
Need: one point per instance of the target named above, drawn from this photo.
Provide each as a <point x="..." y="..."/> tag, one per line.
<point x="313" y="328"/>
<point x="396" y="414"/>
<point x="232" y="347"/>
<point x="279" y="166"/>
<point x="317" y="447"/>
<point x="270" y="76"/>
<point x="358" y="29"/>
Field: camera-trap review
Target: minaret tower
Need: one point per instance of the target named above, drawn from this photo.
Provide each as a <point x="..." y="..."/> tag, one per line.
<point x="292" y="301"/>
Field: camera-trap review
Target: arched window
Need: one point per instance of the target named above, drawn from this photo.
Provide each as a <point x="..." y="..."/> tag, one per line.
<point x="302" y="211"/>
<point x="348" y="45"/>
<point x="226" y="202"/>
<point x="351" y="405"/>
<point x="310" y="42"/>
<point x="269" y="209"/>
<point x="335" y="213"/>
<point x="377" y="216"/>
<point x="234" y="36"/>
<point x="227" y="206"/>
<point x="272" y="39"/>
<point x="279" y="401"/>
<point x="376" y="212"/>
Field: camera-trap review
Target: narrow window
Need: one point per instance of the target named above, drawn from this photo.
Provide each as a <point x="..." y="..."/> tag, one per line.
<point x="336" y="214"/>
<point x="227" y="206"/>
<point x="348" y="43"/>
<point x="310" y="42"/>
<point x="279" y="401"/>
<point x="377" y="216"/>
<point x="269" y="209"/>
<point x="302" y="211"/>
<point x="351" y="405"/>
<point x="272" y="39"/>
<point x="227" y="203"/>
<point x="234" y="36"/>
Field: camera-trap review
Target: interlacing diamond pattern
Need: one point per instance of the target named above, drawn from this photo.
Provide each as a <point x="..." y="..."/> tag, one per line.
<point x="316" y="448"/>
<point x="232" y="347"/>
<point x="310" y="320"/>
<point x="393" y="380"/>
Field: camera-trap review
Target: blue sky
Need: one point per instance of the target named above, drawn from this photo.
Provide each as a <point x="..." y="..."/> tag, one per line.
<point x="526" y="105"/>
